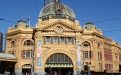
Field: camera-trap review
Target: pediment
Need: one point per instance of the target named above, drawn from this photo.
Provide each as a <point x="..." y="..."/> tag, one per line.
<point x="64" y="26"/>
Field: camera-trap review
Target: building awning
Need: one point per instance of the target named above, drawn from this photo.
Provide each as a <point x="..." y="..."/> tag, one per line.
<point x="7" y="57"/>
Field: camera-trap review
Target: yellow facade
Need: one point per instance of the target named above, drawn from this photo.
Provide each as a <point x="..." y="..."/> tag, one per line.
<point x="95" y="49"/>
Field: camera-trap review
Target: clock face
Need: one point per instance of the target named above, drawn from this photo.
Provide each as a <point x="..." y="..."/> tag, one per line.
<point x="59" y="29"/>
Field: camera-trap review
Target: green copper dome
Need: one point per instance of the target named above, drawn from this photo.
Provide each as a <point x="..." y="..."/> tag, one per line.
<point x="57" y="10"/>
<point x="88" y="25"/>
<point x="22" y="22"/>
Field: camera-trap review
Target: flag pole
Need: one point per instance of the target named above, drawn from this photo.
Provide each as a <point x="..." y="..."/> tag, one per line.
<point x="29" y="21"/>
<point x="84" y="21"/>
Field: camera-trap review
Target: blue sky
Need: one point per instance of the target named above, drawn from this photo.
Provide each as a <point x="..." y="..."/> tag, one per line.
<point x="95" y="10"/>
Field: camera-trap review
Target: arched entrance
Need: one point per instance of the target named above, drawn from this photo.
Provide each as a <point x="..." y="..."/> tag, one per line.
<point x="26" y="68"/>
<point x="59" y="63"/>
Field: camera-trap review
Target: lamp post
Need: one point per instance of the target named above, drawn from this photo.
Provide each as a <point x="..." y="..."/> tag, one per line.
<point x="32" y="62"/>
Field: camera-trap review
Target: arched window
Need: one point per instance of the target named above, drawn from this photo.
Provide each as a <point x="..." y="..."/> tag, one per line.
<point x="28" y="43"/>
<point x="59" y="58"/>
<point x="87" y="49"/>
<point x="86" y="44"/>
<point x="12" y="43"/>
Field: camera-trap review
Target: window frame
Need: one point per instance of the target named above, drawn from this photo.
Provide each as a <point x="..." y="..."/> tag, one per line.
<point x="70" y="41"/>
<point x="63" y="39"/>
<point x="55" y="39"/>
<point x="48" y="40"/>
<point x="28" y="43"/>
<point x="26" y="53"/>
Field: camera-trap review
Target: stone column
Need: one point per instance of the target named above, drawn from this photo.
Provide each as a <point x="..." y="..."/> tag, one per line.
<point x="18" y="71"/>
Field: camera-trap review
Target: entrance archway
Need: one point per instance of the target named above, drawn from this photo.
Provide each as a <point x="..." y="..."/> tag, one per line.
<point x="26" y="68"/>
<point x="59" y="63"/>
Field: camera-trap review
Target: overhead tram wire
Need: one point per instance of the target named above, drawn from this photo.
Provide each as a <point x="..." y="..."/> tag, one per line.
<point x="108" y="20"/>
<point x="6" y="20"/>
<point x="112" y="31"/>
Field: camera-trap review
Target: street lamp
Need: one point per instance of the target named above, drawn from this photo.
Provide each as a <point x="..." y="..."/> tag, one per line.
<point x="32" y="62"/>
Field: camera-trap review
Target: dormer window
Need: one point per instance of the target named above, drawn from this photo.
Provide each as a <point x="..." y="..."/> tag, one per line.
<point x="15" y="25"/>
<point x="27" y="25"/>
<point x="58" y="12"/>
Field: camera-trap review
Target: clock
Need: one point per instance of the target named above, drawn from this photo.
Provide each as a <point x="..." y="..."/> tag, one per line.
<point x="59" y="29"/>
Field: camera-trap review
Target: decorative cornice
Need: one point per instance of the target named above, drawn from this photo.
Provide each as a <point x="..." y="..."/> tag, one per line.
<point x="18" y="32"/>
<point x="72" y="27"/>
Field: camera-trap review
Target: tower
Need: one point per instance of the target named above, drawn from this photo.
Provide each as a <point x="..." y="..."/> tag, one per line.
<point x="46" y="2"/>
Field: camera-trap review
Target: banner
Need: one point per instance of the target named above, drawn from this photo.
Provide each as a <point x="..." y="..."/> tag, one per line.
<point x="39" y="53"/>
<point x="78" y="53"/>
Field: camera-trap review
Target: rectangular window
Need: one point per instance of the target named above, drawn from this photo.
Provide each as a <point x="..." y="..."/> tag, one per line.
<point x="28" y="54"/>
<point x="55" y="39"/>
<point x="62" y="39"/>
<point x="69" y="39"/>
<point x="98" y="55"/>
<point x="86" y="54"/>
<point x="48" y="38"/>
<point x="99" y="66"/>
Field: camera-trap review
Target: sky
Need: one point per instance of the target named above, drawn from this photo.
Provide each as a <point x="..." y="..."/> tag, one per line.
<point x="93" y="10"/>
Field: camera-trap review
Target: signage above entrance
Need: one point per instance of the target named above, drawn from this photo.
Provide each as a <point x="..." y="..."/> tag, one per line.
<point x="59" y="65"/>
